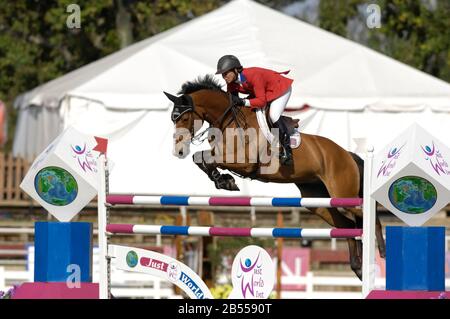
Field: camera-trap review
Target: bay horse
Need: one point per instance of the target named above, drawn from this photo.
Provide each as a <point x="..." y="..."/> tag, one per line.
<point x="320" y="168"/>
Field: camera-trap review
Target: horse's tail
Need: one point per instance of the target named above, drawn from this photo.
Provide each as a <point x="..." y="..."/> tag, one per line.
<point x="360" y="162"/>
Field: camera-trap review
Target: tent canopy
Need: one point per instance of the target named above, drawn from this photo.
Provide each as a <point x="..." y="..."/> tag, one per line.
<point x="330" y="72"/>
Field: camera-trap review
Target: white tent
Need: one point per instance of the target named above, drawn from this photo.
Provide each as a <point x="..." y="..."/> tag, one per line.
<point x="354" y="93"/>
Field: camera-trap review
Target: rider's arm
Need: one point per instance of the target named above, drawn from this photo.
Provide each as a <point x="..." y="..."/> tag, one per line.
<point x="259" y="101"/>
<point x="233" y="89"/>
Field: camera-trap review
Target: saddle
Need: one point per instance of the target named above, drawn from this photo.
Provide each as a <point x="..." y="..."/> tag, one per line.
<point x="291" y="124"/>
<point x="265" y="124"/>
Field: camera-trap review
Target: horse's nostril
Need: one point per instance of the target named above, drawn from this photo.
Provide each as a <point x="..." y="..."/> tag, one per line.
<point x="180" y="152"/>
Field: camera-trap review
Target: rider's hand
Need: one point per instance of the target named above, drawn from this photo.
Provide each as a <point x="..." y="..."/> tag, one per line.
<point x="237" y="100"/>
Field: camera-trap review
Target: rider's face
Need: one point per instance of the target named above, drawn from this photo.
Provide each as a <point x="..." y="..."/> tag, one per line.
<point x="229" y="76"/>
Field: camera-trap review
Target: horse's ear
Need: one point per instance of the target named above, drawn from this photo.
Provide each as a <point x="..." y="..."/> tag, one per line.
<point x="171" y="97"/>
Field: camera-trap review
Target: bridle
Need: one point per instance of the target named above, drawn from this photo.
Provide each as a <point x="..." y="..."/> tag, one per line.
<point x="237" y="116"/>
<point x="180" y="109"/>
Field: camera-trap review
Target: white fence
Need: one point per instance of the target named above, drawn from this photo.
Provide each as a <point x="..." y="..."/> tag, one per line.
<point x="124" y="284"/>
<point x="135" y="285"/>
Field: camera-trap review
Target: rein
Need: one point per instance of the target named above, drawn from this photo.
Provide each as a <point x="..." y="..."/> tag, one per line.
<point x="237" y="116"/>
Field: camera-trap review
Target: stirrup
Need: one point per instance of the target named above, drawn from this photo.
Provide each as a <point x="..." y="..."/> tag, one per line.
<point x="286" y="157"/>
<point x="287" y="150"/>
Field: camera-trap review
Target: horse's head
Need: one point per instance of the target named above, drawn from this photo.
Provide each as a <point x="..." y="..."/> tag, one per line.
<point x="200" y="100"/>
<point x="185" y="117"/>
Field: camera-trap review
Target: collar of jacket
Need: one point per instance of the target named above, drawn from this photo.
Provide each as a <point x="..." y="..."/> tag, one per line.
<point x="242" y="77"/>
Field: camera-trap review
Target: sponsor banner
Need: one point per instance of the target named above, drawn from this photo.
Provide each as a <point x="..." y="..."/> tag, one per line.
<point x="161" y="266"/>
<point x="252" y="274"/>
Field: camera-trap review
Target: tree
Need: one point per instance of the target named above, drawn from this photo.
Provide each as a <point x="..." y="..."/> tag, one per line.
<point x="416" y="33"/>
<point x="334" y="15"/>
<point x="412" y="31"/>
<point x="36" y="44"/>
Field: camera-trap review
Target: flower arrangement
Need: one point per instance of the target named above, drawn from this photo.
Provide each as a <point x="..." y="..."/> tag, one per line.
<point x="221" y="291"/>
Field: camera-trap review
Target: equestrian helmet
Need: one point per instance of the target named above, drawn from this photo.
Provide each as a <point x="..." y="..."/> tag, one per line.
<point x="226" y="63"/>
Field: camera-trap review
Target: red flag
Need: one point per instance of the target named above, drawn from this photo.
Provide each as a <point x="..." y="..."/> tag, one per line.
<point x="102" y="145"/>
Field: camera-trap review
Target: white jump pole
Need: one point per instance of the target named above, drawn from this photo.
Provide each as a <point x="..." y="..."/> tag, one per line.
<point x="369" y="212"/>
<point x="102" y="239"/>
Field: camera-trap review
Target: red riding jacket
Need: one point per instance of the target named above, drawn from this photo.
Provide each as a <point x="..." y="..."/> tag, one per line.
<point x="262" y="85"/>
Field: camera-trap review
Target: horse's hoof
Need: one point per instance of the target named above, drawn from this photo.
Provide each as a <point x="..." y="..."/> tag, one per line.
<point x="227" y="177"/>
<point x="357" y="269"/>
<point x="230" y="182"/>
<point x="227" y="186"/>
<point x="220" y="185"/>
<point x="358" y="273"/>
<point x="233" y="187"/>
<point x="227" y="182"/>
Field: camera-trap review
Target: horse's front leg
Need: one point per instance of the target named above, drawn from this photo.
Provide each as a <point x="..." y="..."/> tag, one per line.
<point x="225" y="181"/>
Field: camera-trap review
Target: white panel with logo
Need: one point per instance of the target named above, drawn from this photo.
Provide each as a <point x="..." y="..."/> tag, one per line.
<point x="252" y="274"/>
<point x="411" y="176"/>
<point x="64" y="178"/>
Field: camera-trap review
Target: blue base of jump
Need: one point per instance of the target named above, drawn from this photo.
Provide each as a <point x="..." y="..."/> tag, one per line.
<point x="415" y="258"/>
<point x="63" y="252"/>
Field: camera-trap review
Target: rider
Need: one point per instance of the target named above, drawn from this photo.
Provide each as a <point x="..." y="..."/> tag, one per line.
<point x="263" y="86"/>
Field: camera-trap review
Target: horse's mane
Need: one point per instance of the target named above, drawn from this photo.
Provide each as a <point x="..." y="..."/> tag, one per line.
<point x="207" y="82"/>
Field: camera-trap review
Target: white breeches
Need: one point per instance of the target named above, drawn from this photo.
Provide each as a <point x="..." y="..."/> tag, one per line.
<point x="277" y="106"/>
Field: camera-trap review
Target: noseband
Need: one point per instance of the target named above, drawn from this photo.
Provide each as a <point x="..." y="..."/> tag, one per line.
<point x="189" y="106"/>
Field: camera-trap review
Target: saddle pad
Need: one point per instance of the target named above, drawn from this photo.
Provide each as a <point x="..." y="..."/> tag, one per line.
<point x="262" y="122"/>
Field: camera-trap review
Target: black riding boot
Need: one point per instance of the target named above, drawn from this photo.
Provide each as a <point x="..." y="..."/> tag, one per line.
<point x="285" y="141"/>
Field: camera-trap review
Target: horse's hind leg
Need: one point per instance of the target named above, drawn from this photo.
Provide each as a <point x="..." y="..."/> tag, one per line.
<point x="359" y="224"/>
<point x="378" y="230"/>
<point x="379" y="235"/>
<point x="334" y="218"/>
<point x="358" y="215"/>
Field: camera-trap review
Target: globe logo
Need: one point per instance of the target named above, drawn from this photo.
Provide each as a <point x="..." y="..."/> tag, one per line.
<point x="412" y="195"/>
<point x="56" y="186"/>
<point x="132" y="259"/>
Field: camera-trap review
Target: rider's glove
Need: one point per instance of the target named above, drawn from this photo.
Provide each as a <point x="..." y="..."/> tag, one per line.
<point x="237" y="100"/>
